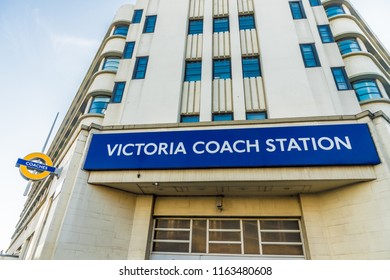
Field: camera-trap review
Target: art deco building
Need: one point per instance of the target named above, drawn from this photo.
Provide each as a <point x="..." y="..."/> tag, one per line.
<point x="222" y="129"/>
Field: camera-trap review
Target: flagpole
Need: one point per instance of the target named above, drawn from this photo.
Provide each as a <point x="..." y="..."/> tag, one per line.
<point x="43" y="150"/>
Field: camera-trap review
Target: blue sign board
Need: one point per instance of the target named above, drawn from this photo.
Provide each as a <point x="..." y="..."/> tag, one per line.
<point x="348" y="144"/>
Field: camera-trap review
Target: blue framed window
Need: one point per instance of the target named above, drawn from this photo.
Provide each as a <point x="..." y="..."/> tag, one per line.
<point x="189" y="118"/>
<point x="341" y="78"/>
<point x="121" y="30"/>
<point x="314" y="3"/>
<point x="193" y="71"/>
<point x="150" y="24"/>
<point x="348" y="45"/>
<point x="366" y="89"/>
<point x="129" y="49"/>
<point x="246" y="22"/>
<point x="99" y="104"/>
<point x="220" y="117"/>
<point x="309" y="55"/>
<point x="325" y="33"/>
<point x="111" y="63"/>
<point x="118" y="91"/>
<point x="195" y="27"/>
<point x="251" y="67"/>
<point x="334" y="10"/>
<point x="222" y="69"/>
<point x="297" y="10"/>
<point x="137" y="16"/>
<point x="221" y="24"/>
<point x="256" y="116"/>
<point x="140" y="67"/>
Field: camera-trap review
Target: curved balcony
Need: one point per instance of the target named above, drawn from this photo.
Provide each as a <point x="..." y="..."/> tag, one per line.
<point x="124" y="13"/>
<point x="103" y="81"/>
<point x="375" y="105"/>
<point x="363" y="63"/>
<point x="345" y="24"/>
<point x="114" y="44"/>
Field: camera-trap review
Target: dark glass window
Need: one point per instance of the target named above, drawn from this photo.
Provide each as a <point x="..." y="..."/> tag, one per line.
<point x="297" y="10"/>
<point x="341" y="78"/>
<point x="325" y="33"/>
<point x="309" y="55"/>
<point x="251" y="67"/>
<point x="121" y="30"/>
<point x="150" y="24"/>
<point x="246" y="22"/>
<point x="189" y="118"/>
<point x="193" y="71"/>
<point x="315" y="3"/>
<point x="140" y="67"/>
<point x="334" y="10"/>
<point x="195" y="27"/>
<point x="256" y="116"/>
<point x="221" y="24"/>
<point x="117" y="93"/>
<point x="221" y="69"/>
<point x="366" y="89"/>
<point x="137" y="16"/>
<point x="218" y="117"/>
<point x="111" y="63"/>
<point x="129" y="49"/>
<point x="348" y="45"/>
<point x="99" y="104"/>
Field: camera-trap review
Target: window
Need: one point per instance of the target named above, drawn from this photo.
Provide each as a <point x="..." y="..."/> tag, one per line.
<point x="325" y="33"/>
<point x="251" y="67"/>
<point x="117" y="93"/>
<point x="129" y="49"/>
<point x="366" y="89"/>
<point x="256" y="116"/>
<point x="111" y="63"/>
<point x="150" y="24"/>
<point x="220" y="117"/>
<point x="189" y="118"/>
<point x="334" y="10"/>
<point x="297" y="10"/>
<point x="221" y="69"/>
<point x="193" y="71"/>
<point x="221" y="24"/>
<point x="99" y="104"/>
<point x="137" y="16"/>
<point x="246" y="22"/>
<point x="309" y="55"/>
<point x="315" y="3"/>
<point x="348" y="45"/>
<point x="121" y="30"/>
<point x="228" y="236"/>
<point x="140" y="67"/>
<point x="195" y="27"/>
<point x="341" y="78"/>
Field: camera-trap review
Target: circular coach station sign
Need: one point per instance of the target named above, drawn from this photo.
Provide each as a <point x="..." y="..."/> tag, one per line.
<point x="36" y="166"/>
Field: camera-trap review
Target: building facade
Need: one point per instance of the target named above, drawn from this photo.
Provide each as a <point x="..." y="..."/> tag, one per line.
<point x="222" y="129"/>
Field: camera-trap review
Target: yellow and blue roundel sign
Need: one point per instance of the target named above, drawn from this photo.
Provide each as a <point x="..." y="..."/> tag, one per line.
<point x="36" y="166"/>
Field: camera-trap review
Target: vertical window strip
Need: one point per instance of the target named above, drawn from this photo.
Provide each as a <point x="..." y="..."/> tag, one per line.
<point x="150" y="24"/>
<point x="193" y="71"/>
<point x="137" y="16"/>
<point x="309" y="55"/>
<point x="341" y="78"/>
<point x="140" y="67"/>
<point x="128" y="51"/>
<point x="325" y="33"/>
<point x="118" y="91"/>
<point x="297" y="10"/>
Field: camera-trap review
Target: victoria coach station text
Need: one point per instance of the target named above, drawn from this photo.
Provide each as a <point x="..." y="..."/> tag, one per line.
<point x="231" y="147"/>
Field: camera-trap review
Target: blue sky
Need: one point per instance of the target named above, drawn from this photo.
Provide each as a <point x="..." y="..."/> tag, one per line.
<point x="46" y="49"/>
